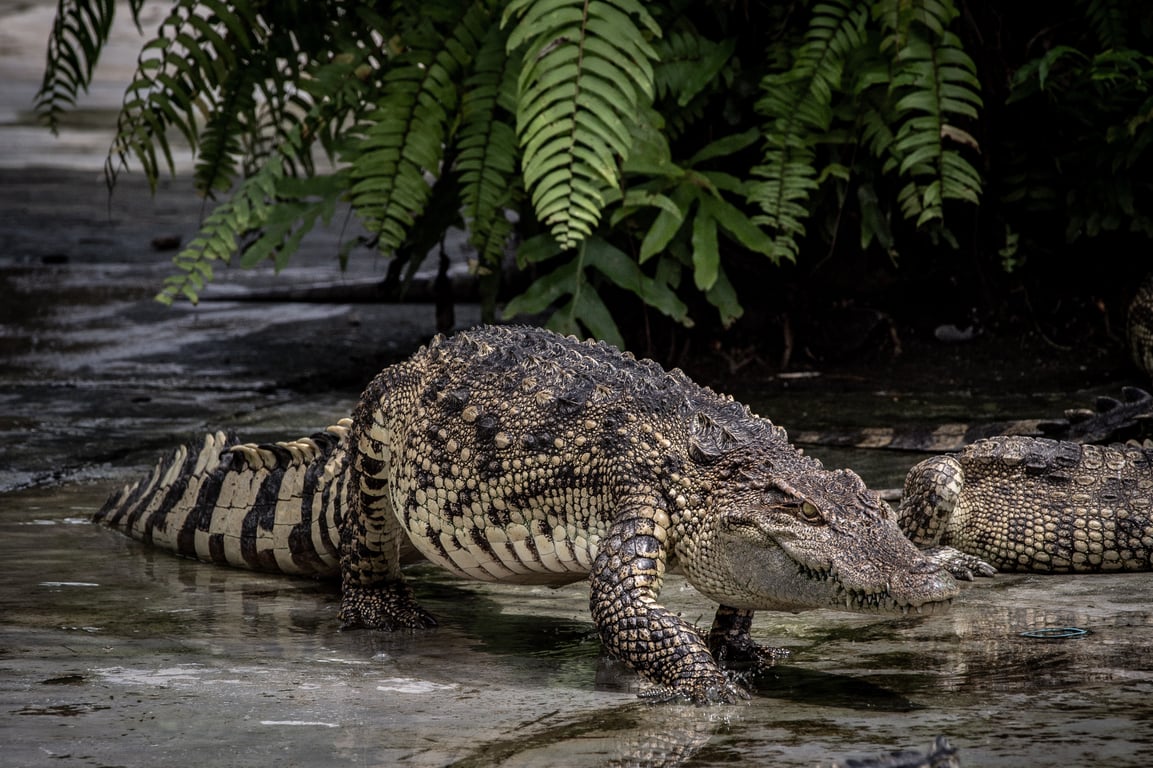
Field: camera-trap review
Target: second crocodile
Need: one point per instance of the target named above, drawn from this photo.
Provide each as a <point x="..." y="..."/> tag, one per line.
<point x="1032" y="504"/>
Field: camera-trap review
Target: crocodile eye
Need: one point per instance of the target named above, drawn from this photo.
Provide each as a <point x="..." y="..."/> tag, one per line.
<point x="810" y="513"/>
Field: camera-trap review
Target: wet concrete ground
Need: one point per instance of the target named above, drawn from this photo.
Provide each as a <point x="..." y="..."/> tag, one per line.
<point x="115" y="655"/>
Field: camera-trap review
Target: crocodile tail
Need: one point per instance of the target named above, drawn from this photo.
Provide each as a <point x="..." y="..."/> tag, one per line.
<point x="274" y="508"/>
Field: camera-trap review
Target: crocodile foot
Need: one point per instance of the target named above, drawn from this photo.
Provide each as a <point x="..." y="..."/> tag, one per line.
<point x="960" y="565"/>
<point x="387" y="606"/>
<point x="712" y="689"/>
<point x="743" y="653"/>
<point x="733" y="648"/>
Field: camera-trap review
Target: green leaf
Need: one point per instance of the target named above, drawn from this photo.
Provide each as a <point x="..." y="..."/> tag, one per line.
<point x="650" y="154"/>
<point x="588" y="308"/>
<point x="545" y="291"/>
<point x="642" y="198"/>
<point x="725" y="146"/>
<point x="664" y="229"/>
<point x="738" y="225"/>
<point x="618" y="267"/>
<point x="724" y="297"/>
<point x="706" y="259"/>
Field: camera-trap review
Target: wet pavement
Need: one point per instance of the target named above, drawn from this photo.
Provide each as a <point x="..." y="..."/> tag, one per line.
<point x="115" y="655"/>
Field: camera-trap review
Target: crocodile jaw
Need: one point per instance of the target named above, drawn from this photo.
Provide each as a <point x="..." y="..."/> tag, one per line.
<point x="763" y="574"/>
<point x="917" y="593"/>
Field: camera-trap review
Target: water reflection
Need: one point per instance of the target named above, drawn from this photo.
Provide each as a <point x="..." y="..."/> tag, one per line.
<point x="634" y="736"/>
<point x="829" y="689"/>
<point x="993" y="656"/>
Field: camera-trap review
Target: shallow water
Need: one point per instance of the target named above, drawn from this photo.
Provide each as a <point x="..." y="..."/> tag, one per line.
<point x="114" y="654"/>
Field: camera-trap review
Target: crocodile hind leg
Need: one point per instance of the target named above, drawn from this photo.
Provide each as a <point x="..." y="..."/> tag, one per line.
<point x="373" y="591"/>
<point x="373" y="598"/>
<point x="731" y="645"/>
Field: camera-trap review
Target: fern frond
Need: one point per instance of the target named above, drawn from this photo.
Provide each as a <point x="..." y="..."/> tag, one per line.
<point x="937" y="88"/>
<point x="219" y="236"/>
<point x="271" y="210"/>
<point x="487" y="149"/>
<point x="341" y="83"/>
<point x="265" y="219"/>
<point x="903" y="20"/>
<point x="586" y="70"/>
<point x="689" y="63"/>
<point x="78" y="36"/>
<point x="689" y="71"/>
<point x="301" y="203"/>
<point x="191" y="55"/>
<point x="406" y="136"/>
<point x="306" y="41"/>
<point x="1107" y="18"/>
<point x="221" y="138"/>
<point x="224" y="75"/>
<point x="798" y="109"/>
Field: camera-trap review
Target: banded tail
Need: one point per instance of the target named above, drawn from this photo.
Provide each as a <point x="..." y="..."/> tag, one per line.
<point x="276" y="508"/>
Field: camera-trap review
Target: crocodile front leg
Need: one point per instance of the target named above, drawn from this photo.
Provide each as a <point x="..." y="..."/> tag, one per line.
<point x="732" y="646"/>
<point x="626" y="576"/>
<point x="931" y="496"/>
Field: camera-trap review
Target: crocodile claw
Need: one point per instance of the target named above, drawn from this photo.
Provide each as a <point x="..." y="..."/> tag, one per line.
<point x="710" y="690"/>
<point x="960" y="566"/>
<point x="389" y="607"/>
<point x="748" y="655"/>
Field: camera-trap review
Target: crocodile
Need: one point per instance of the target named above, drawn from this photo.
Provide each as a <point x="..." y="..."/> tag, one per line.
<point x="1110" y="419"/>
<point x="1015" y="503"/>
<point x="513" y="454"/>
<point x="1139" y="326"/>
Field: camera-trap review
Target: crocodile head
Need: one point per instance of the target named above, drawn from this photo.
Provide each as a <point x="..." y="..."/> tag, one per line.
<point x="810" y="538"/>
